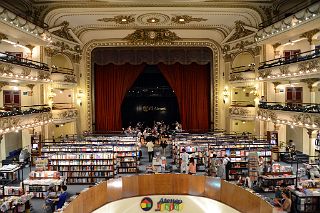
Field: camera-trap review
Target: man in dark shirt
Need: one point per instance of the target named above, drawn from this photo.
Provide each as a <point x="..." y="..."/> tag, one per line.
<point x="62" y="197"/>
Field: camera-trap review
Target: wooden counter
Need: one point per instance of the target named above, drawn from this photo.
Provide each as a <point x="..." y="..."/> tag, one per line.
<point x="172" y="184"/>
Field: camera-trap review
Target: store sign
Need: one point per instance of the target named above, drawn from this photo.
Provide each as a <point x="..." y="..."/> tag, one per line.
<point x="164" y="204"/>
<point x="146" y="204"/>
<point x="169" y="205"/>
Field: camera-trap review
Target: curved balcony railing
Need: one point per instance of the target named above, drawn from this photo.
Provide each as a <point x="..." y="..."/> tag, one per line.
<point x="290" y="59"/>
<point x="293" y="107"/>
<point x="62" y="70"/>
<point x="284" y="14"/>
<point x="5" y="57"/>
<point x="59" y="106"/>
<point x="241" y="69"/>
<point x="243" y="103"/>
<point x="243" y="200"/>
<point x="23" y="110"/>
<point x="32" y="18"/>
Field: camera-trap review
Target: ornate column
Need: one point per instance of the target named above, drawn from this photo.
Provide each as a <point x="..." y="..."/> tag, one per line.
<point x="227" y="70"/>
<point x="310" y="82"/>
<point x="309" y="35"/>
<point x="275" y="84"/>
<point x="312" y="136"/>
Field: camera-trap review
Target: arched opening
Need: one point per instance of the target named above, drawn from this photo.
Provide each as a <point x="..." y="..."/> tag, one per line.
<point x="149" y="100"/>
<point x="243" y="59"/>
<point x="61" y="61"/>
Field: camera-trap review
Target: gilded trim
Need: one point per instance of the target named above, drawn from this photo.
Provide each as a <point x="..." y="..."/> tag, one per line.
<point x="214" y="99"/>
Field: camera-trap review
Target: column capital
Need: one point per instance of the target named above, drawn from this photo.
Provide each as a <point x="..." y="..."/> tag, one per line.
<point x="309" y="132"/>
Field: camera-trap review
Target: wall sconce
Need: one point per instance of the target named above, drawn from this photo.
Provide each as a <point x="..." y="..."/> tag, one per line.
<point x="225" y="94"/>
<point x="79" y="97"/>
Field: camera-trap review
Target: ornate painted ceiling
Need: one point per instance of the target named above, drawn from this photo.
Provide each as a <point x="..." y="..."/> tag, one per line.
<point x="90" y="20"/>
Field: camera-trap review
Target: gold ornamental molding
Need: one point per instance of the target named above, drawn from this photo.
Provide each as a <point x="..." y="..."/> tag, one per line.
<point x="3" y="84"/>
<point x="309" y="35"/>
<point x="184" y="19"/>
<point x="72" y="54"/>
<point x="63" y="31"/>
<point x="120" y="19"/>
<point x="241" y="30"/>
<point x="3" y="36"/>
<point x="152" y="36"/>
<point x="214" y="87"/>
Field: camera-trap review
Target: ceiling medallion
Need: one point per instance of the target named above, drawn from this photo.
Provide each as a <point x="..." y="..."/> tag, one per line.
<point x="153" y="18"/>
<point x="152" y="36"/>
<point x="121" y="19"/>
<point x="184" y="19"/>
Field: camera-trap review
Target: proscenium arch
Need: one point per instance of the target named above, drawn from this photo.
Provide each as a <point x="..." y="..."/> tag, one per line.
<point x="215" y="75"/>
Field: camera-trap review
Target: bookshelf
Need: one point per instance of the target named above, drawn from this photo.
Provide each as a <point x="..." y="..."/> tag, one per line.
<point x="93" y="158"/>
<point x="35" y="148"/>
<point x="83" y="167"/>
<point x="126" y="155"/>
<point x="38" y="182"/>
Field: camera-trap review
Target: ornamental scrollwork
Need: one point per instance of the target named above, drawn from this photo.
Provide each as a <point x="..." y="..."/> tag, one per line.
<point x="42" y="117"/>
<point x="314" y="64"/>
<point x="120" y="19"/>
<point x="63" y="32"/>
<point x="26" y="71"/>
<point x="284" y="69"/>
<point x="3" y="36"/>
<point x="6" y="68"/>
<point x="240" y="31"/>
<point x="9" y="122"/>
<point x="70" y="78"/>
<point x="303" y="118"/>
<point x="267" y="114"/>
<point x="184" y="19"/>
<point x="152" y="36"/>
<point x="236" y="77"/>
<point x="43" y="75"/>
<point x="3" y="84"/>
<point x="239" y="111"/>
<point x="303" y="66"/>
<point x="66" y="114"/>
<point x="265" y="73"/>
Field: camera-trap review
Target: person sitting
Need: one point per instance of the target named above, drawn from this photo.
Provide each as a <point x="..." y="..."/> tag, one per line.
<point x="49" y="197"/>
<point x="62" y="197"/>
<point x="286" y="205"/>
<point x="278" y="193"/>
<point x="192" y="166"/>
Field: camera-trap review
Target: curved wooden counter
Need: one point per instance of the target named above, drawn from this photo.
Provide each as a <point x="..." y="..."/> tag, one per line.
<point x="173" y="184"/>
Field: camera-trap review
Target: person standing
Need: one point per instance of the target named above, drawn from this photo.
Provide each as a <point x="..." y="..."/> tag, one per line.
<point x="213" y="165"/>
<point x="184" y="161"/>
<point x="227" y="165"/>
<point x="192" y="166"/>
<point x="150" y="146"/>
<point x="164" y="145"/>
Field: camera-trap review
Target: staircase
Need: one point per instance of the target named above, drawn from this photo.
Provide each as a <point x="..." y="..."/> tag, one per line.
<point x="302" y="158"/>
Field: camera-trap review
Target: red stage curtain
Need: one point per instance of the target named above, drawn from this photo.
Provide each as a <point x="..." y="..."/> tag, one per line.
<point x="191" y="86"/>
<point x="111" y="85"/>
